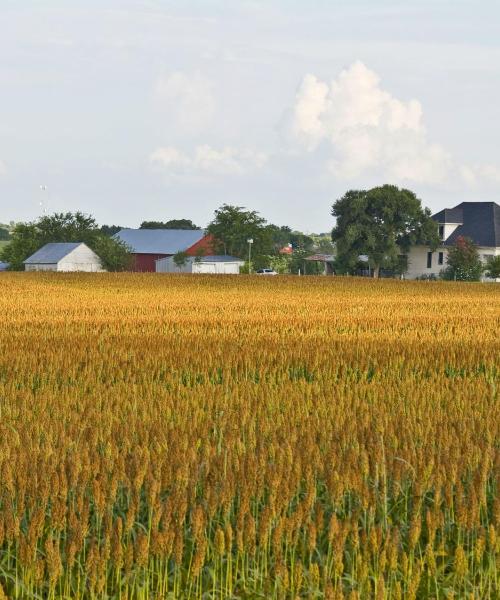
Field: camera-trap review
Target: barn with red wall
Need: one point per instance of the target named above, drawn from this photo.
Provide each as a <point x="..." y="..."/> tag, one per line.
<point x="149" y="245"/>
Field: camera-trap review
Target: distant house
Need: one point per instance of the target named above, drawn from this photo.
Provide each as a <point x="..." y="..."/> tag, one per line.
<point x="217" y="265"/>
<point x="4" y="266"/>
<point x="150" y="245"/>
<point x="75" y="256"/>
<point x="327" y="260"/>
<point x="479" y="221"/>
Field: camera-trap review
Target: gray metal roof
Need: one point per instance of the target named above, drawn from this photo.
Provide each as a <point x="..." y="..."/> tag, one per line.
<point x="221" y="258"/>
<point x="480" y="222"/>
<point x="52" y="253"/>
<point x="160" y="241"/>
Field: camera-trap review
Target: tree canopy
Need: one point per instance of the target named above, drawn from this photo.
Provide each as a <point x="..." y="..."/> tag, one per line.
<point x="232" y="226"/>
<point x="27" y="238"/>
<point x="172" y="224"/>
<point x="493" y="267"/>
<point x="4" y="234"/>
<point x="382" y="223"/>
<point x="463" y="262"/>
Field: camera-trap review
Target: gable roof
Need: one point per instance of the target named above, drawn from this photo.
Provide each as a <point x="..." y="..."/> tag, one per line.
<point x="160" y="241"/>
<point x="52" y="253"/>
<point x="480" y="221"/>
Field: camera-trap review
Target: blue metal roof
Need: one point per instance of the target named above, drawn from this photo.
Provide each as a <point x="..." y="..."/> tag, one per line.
<point x="160" y="241"/>
<point x="52" y="253"/>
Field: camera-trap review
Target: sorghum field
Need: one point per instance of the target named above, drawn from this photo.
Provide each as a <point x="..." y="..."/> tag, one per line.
<point x="243" y="437"/>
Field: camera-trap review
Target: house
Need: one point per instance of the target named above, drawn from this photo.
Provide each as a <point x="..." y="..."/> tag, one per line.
<point x="218" y="265"/>
<point x="149" y="245"/>
<point x="75" y="256"/>
<point x="479" y="221"/>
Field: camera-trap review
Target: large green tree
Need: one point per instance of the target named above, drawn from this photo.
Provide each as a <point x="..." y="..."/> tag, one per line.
<point x="27" y="238"/>
<point x="493" y="267"/>
<point x="463" y="262"/>
<point x="233" y="226"/>
<point x="172" y="224"/>
<point x="382" y="223"/>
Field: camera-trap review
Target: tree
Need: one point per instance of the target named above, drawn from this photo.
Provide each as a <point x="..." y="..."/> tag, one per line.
<point x="493" y="267"/>
<point x="27" y="238"/>
<point x="382" y="223"/>
<point x="232" y="226"/>
<point x="4" y="234"/>
<point x="180" y="259"/>
<point x="463" y="262"/>
<point x="110" y="230"/>
<point x="172" y="224"/>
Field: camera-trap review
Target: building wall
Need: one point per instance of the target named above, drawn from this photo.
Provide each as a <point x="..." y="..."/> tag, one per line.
<point x="40" y="267"/>
<point x="205" y="245"/>
<point x="146" y="262"/>
<point x="81" y="259"/>
<point x="417" y="260"/>
<point x="167" y="265"/>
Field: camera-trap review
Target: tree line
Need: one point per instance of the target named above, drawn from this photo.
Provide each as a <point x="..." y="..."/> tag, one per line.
<point x="380" y="225"/>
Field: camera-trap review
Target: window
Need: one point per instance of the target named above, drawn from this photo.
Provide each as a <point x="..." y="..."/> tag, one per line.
<point x="429" y="260"/>
<point x="441" y="232"/>
<point x="440" y="258"/>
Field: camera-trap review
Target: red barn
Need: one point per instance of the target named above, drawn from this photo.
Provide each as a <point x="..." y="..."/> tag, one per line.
<point x="148" y="245"/>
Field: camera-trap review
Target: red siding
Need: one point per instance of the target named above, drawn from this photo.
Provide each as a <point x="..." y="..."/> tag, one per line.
<point x="204" y="244"/>
<point x="146" y="262"/>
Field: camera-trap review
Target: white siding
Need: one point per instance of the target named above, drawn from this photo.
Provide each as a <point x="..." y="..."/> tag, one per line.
<point x="417" y="260"/>
<point x="81" y="258"/>
<point x="40" y="267"/>
<point x="167" y="265"/>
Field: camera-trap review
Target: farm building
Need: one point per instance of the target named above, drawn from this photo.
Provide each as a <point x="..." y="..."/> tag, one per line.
<point x="57" y="256"/>
<point x="4" y="266"/>
<point x="218" y="265"/>
<point x="150" y="245"/>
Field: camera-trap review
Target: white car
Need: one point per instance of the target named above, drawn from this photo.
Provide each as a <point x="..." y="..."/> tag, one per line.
<point x="266" y="272"/>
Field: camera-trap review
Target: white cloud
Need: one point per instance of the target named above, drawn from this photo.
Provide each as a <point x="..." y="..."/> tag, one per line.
<point x="474" y="175"/>
<point x="3" y="168"/>
<point x="206" y="160"/>
<point x="366" y="129"/>
<point x="187" y="99"/>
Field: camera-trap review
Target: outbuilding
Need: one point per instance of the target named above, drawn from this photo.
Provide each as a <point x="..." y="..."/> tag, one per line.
<point x="214" y="264"/>
<point x="149" y="245"/>
<point x="62" y="256"/>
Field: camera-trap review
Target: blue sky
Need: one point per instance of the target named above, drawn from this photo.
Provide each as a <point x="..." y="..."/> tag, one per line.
<point x="157" y="110"/>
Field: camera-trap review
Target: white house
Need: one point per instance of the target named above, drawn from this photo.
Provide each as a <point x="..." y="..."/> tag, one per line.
<point x="217" y="265"/>
<point x="478" y="221"/>
<point x="64" y="257"/>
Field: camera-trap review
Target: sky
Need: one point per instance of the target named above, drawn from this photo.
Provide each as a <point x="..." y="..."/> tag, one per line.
<point x="156" y="109"/>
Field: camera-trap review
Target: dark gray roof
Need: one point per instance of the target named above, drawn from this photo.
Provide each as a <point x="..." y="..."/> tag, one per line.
<point x="52" y="253"/>
<point x="449" y="215"/>
<point x="4" y="266"/>
<point x="160" y="241"/>
<point x="480" y="221"/>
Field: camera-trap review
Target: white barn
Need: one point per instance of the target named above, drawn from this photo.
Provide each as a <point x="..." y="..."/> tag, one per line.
<point x="75" y="256"/>
<point x="216" y="265"/>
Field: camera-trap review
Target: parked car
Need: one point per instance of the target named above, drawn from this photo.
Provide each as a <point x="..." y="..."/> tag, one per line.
<point x="266" y="272"/>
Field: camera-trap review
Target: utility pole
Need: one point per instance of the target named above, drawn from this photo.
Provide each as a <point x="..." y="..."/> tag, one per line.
<point x="250" y="242"/>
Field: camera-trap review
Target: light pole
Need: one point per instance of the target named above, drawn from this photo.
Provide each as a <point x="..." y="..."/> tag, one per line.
<point x="43" y="204"/>
<point x="250" y="242"/>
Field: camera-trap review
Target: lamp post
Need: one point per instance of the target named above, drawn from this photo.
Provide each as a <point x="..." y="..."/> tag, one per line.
<point x="250" y="242"/>
<point x="43" y="204"/>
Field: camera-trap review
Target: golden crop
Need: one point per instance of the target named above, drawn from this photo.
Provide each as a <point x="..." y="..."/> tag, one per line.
<point x="236" y="437"/>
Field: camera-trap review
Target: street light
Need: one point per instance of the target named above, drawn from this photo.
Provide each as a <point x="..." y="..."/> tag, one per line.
<point x="43" y="203"/>
<point x="250" y="242"/>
